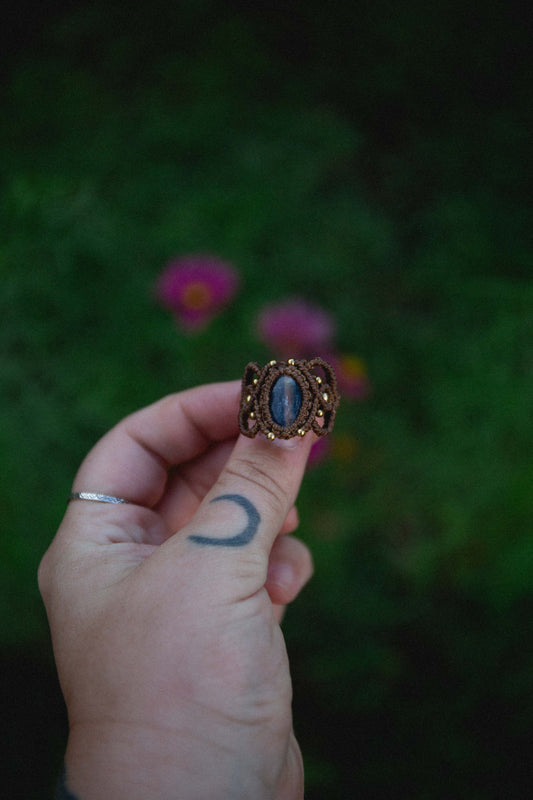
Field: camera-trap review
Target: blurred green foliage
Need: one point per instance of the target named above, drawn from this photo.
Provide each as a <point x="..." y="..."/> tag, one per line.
<point x="371" y="159"/>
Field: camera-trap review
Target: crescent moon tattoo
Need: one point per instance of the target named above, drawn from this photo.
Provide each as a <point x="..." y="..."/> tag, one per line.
<point x="242" y="538"/>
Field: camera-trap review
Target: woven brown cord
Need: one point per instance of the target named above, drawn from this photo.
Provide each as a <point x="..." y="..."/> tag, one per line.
<point x="319" y="398"/>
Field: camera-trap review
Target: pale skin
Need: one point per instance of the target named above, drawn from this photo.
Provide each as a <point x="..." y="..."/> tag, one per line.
<point x="167" y="643"/>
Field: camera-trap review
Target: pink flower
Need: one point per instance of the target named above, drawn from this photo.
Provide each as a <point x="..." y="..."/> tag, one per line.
<point x="319" y="452"/>
<point x="352" y="377"/>
<point x="296" y="328"/>
<point x="195" y="288"/>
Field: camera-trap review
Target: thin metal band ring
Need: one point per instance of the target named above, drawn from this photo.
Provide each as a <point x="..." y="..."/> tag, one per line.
<point x="97" y="498"/>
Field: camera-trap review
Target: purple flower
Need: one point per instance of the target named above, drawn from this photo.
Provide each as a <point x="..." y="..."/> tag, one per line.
<point x="296" y="328"/>
<point x="319" y="452"/>
<point x="195" y="288"/>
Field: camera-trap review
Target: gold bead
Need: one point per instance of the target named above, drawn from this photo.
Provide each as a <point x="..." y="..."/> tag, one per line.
<point x="320" y="413"/>
<point x="301" y="432"/>
<point x="248" y="398"/>
<point x="251" y="415"/>
<point x="270" y="436"/>
<point x="326" y="397"/>
<point x="273" y="362"/>
<point x="255" y="381"/>
<point x="291" y="361"/>
<point x="318" y="380"/>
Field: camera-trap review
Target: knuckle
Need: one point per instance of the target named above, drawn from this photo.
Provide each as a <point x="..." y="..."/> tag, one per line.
<point x="43" y="574"/>
<point x="249" y="471"/>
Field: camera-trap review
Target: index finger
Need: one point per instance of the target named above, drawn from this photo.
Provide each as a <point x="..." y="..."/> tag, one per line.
<point x="132" y="460"/>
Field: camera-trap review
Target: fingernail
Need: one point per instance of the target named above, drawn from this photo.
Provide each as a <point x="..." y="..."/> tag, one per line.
<point x="287" y="444"/>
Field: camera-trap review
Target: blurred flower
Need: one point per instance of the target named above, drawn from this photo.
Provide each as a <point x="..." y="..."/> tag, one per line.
<point x="352" y="376"/>
<point x="319" y="452"/>
<point x="345" y="448"/>
<point x="296" y="328"/>
<point x="196" y="287"/>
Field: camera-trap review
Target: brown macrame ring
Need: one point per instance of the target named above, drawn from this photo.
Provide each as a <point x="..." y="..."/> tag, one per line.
<point x="319" y="398"/>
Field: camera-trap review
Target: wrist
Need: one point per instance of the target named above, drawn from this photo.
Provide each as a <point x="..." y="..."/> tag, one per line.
<point x="124" y="762"/>
<point x="115" y="760"/>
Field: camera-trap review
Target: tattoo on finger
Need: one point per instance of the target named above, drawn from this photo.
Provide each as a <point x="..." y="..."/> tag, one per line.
<point x="243" y="537"/>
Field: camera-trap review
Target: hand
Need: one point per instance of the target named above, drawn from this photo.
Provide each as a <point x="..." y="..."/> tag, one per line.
<point x="164" y="613"/>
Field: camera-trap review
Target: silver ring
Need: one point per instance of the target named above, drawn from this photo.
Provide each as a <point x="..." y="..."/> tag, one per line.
<point x="97" y="498"/>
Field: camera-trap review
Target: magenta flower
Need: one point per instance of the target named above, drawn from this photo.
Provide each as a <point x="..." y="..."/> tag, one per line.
<point x="296" y="328"/>
<point x="319" y="452"/>
<point x="195" y="288"/>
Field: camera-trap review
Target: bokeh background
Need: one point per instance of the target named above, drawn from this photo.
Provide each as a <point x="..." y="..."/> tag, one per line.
<point x="368" y="159"/>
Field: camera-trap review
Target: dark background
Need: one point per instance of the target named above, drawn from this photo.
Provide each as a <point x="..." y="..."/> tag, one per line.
<point x="374" y="157"/>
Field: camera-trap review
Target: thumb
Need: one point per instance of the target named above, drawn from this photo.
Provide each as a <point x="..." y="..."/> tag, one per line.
<point x="246" y="508"/>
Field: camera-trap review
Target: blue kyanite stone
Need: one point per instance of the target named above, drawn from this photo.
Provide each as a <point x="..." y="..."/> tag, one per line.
<point x="285" y="401"/>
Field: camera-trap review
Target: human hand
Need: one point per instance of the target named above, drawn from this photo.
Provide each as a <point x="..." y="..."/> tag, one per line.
<point x="167" y="642"/>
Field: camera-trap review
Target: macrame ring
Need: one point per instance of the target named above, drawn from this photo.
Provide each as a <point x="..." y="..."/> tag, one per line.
<point x="284" y="399"/>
